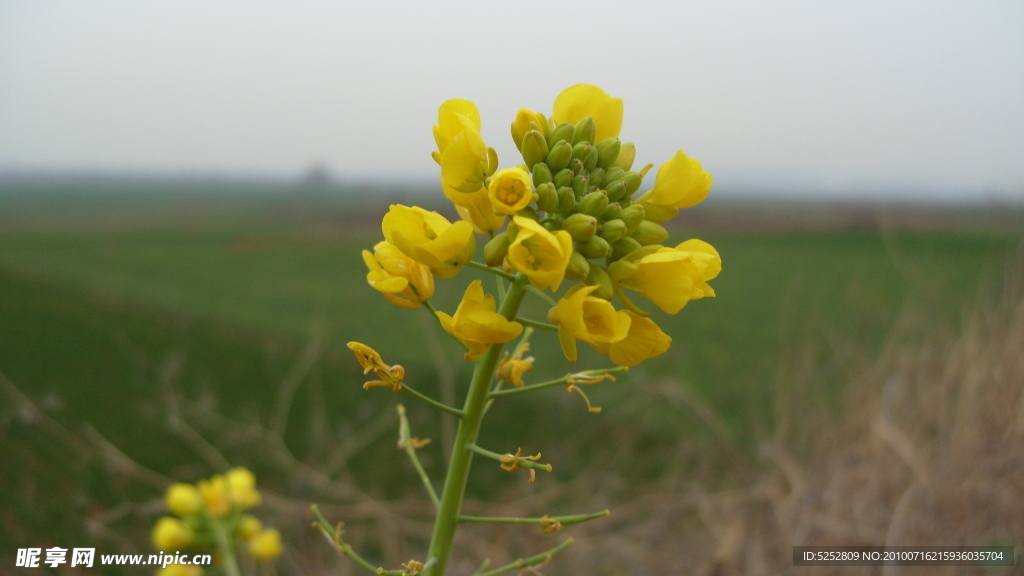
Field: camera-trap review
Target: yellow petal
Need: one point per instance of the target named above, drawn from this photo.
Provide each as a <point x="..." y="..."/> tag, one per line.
<point x="511" y="190"/>
<point x="582" y="100"/>
<point x="645" y="340"/>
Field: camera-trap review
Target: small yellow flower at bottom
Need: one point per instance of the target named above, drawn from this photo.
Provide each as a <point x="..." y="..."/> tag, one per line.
<point x="171" y="535"/>
<point x="370" y="360"/>
<point x="477" y="324"/>
<point x="266" y="545"/>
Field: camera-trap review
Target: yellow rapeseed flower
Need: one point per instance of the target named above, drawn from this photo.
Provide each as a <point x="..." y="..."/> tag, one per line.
<point x="266" y="545"/>
<point x="511" y="190"/>
<point x="581" y="316"/>
<point x="243" y="488"/>
<point x="577" y="102"/>
<point x="171" y="535"/>
<point x="452" y="118"/>
<point x="539" y="254"/>
<point x="521" y="125"/>
<point x="475" y="208"/>
<point x="671" y="277"/>
<point x="643" y="342"/>
<point x="681" y="182"/>
<point x="370" y="360"/>
<point x="429" y="238"/>
<point x="216" y="495"/>
<point x="511" y="369"/>
<point x="477" y="324"/>
<point x="402" y="280"/>
<point x="183" y="499"/>
<point x="248" y="526"/>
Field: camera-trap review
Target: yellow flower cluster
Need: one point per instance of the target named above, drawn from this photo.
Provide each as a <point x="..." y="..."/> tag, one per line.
<point x="215" y="504"/>
<point x="572" y="211"/>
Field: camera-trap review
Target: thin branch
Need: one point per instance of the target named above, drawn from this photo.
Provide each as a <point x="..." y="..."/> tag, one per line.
<point x="550" y="383"/>
<point x="333" y="535"/>
<point x="564" y="520"/>
<point x="431" y="401"/>
<point x="509" y="459"/>
<point x="521" y="563"/>
<point x="495" y="271"/>
<point x="407" y="443"/>
<point x="536" y="324"/>
<point x="538" y="292"/>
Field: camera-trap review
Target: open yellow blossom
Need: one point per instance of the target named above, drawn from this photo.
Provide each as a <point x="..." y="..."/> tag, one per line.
<point x="577" y="102"/>
<point x="402" y="280"/>
<point x="265" y="545"/>
<point x="511" y="369"/>
<point x="539" y="254"/>
<point x="581" y="316"/>
<point x="511" y="190"/>
<point x="180" y="570"/>
<point x="171" y="535"/>
<point x="522" y="125"/>
<point x="475" y="208"/>
<point x="183" y="499"/>
<point x="477" y="324"/>
<point x="671" y="277"/>
<point x="643" y="342"/>
<point x="452" y="118"/>
<point x="243" y="488"/>
<point x="216" y="495"/>
<point x="370" y="360"/>
<point x="681" y="182"/>
<point x="429" y="238"/>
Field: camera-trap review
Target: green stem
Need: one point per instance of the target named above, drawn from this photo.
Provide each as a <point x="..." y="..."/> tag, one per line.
<point x="433" y="312"/>
<point x="405" y="441"/>
<point x="225" y="547"/>
<point x="541" y="558"/>
<point x="550" y="383"/>
<point x="469" y="426"/>
<point x="564" y="520"/>
<point x="523" y="462"/>
<point x="431" y="401"/>
<point x="536" y="324"/>
<point x="344" y="549"/>
<point x="538" y="292"/>
<point x="492" y="270"/>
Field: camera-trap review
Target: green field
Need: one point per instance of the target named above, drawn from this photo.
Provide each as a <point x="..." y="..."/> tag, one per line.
<point x="100" y="297"/>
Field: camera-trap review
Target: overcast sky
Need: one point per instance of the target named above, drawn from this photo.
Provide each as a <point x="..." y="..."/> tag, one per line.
<point x="917" y="97"/>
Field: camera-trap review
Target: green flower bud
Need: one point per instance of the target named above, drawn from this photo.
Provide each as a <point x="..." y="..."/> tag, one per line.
<point x="579" y="185"/>
<point x="541" y="174"/>
<point x="648" y="233"/>
<point x="613" y="230"/>
<point x="590" y="162"/>
<point x="492" y="161"/>
<point x="621" y="269"/>
<point x="611" y="212"/>
<point x="496" y="249"/>
<point x="624" y="246"/>
<point x="559" y="156"/>
<point x="632" y="180"/>
<point x="610" y="175"/>
<point x="553" y="221"/>
<point x="599" y="277"/>
<point x="511" y="231"/>
<point x="563" y="178"/>
<point x="562" y="132"/>
<point x="596" y="176"/>
<point x="660" y="214"/>
<point x="593" y="203"/>
<point x="608" y="151"/>
<point x="585" y="130"/>
<point x="616" y="190"/>
<point x="576" y="165"/>
<point x="530" y="213"/>
<point x="581" y="150"/>
<point x="581" y="227"/>
<point x="632" y="216"/>
<point x="626" y="155"/>
<point x="578" y="267"/>
<point x="595" y="248"/>
<point x="547" y="196"/>
<point x="535" y="148"/>
<point x="566" y="200"/>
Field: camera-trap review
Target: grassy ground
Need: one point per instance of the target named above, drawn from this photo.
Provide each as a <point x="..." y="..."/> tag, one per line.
<point x="112" y="306"/>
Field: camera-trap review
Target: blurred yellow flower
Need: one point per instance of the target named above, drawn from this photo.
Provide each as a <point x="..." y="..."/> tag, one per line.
<point x="581" y="316"/>
<point x="265" y="545"/>
<point x="183" y="499"/>
<point x="243" y="488"/>
<point x="180" y="570"/>
<point x="248" y="526"/>
<point x="369" y="359"/>
<point x="511" y="190"/>
<point x="429" y="238"/>
<point x="477" y="324"/>
<point x="582" y="100"/>
<point x="216" y="495"/>
<point x="643" y="342"/>
<point x="402" y="280"/>
<point x="171" y="535"/>
<point x="681" y="182"/>
<point x="539" y="254"/>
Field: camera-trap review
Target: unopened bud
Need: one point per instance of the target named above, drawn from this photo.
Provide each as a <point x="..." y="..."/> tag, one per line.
<point x="611" y="212"/>
<point x="626" y="155"/>
<point x="613" y="230"/>
<point x="492" y="161"/>
<point x="624" y="246"/>
<point x="598" y="276"/>
<point x="608" y="151"/>
<point x="553" y="222"/>
<point x="648" y="233"/>
<point x="579" y="185"/>
<point x="496" y="249"/>
<point x="596" y="177"/>
<point x="511" y="231"/>
<point x="547" y="196"/>
<point x="581" y="227"/>
<point x="578" y="267"/>
<point x="632" y="216"/>
<point x="576" y="165"/>
<point x="596" y="247"/>
<point x="541" y="174"/>
<point x="562" y="132"/>
<point x="659" y="214"/>
<point x="563" y="178"/>
<point x="535" y="148"/>
<point x="566" y="200"/>
<point x="593" y="203"/>
<point x="559" y="156"/>
<point x="590" y="162"/>
<point x="585" y="130"/>
<point x="580" y="150"/>
<point x="610" y="175"/>
<point x="621" y="269"/>
<point x="616" y="190"/>
<point x="632" y="180"/>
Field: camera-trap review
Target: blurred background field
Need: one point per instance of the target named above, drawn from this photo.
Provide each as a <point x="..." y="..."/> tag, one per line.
<point x="160" y="331"/>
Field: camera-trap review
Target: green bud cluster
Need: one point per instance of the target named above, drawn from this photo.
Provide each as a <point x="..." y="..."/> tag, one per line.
<point x="586" y="189"/>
